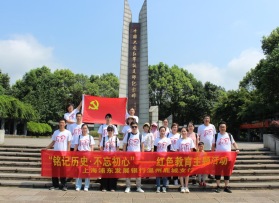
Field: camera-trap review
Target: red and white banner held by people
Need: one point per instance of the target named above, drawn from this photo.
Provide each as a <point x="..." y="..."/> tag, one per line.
<point x="94" y="109"/>
<point x="135" y="164"/>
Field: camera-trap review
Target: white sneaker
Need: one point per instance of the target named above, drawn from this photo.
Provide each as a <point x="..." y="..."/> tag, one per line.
<point x="85" y="189"/>
<point x="187" y="190"/>
<point x="158" y="190"/>
<point x="175" y="182"/>
<point x="139" y="189"/>
<point x="164" y="190"/>
<point x="127" y="190"/>
<point x="182" y="190"/>
<point x="77" y="189"/>
<point x="168" y="182"/>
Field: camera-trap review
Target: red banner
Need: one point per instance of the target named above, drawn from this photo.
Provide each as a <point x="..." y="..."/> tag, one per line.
<point x="95" y="109"/>
<point x="135" y="164"/>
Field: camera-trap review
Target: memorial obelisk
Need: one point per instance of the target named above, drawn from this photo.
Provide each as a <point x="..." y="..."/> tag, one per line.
<point x="134" y="63"/>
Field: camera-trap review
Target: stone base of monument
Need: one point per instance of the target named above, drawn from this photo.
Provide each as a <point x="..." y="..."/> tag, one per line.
<point x="2" y="136"/>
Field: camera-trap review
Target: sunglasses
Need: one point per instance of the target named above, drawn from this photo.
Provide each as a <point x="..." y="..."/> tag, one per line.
<point x="109" y="130"/>
<point x="134" y="126"/>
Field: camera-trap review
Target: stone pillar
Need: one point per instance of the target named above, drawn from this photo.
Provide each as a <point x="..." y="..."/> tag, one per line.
<point x="144" y="80"/>
<point x="15" y="127"/>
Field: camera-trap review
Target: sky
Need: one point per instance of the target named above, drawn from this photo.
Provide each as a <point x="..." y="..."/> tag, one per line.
<point x="217" y="41"/>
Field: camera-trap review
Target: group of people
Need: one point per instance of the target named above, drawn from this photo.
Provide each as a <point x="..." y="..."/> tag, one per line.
<point x="148" y="139"/>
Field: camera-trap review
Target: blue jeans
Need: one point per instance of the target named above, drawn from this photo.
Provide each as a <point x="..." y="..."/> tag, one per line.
<point x="79" y="183"/>
<point x="158" y="181"/>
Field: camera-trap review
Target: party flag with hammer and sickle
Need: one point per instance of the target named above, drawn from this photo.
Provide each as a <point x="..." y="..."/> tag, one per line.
<point x="95" y="109"/>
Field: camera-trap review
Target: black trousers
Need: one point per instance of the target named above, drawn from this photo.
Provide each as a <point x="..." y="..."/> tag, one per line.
<point x="108" y="183"/>
<point x="55" y="182"/>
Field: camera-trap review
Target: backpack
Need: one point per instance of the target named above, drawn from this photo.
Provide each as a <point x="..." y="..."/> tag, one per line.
<point x="216" y="136"/>
<point x="129" y="135"/>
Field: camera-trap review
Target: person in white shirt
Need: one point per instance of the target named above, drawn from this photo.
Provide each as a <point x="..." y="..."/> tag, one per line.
<point x="148" y="137"/>
<point x="161" y="144"/>
<point x="127" y="128"/>
<point x="102" y="131"/>
<point x="223" y="143"/>
<point x="109" y="143"/>
<point x="166" y="124"/>
<point x="76" y="129"/>
<point x="84" y="142"/>
<point x="184" y="144"/>
<point x="61" y="141"/>
<point x="154" y="130"/>
<point x="70" y="116"/>
<point x="132" y="113"/>
<point x="206" y="132"/>
<point x="133" y="142"/>
<point x="173" y="136"/>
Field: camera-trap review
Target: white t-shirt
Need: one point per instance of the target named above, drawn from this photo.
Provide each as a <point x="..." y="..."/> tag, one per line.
<point x="133" y="142"/>
<point x="71" y="117"/>
<point x="167" y="131"/>
<point x="103" y="130"/>
<point x="61" y="139"/>
<point x="223" y="143"/>
<point x="84" y="143"/>
<point x="185" y="145"/>
<point x="156" y="134"/>
<point x="162" y="144"/>
<point x="110" y="143"/>
<point x="148" y="141"/>
<point x="173" y="138"/>
<point x="206" y="135"/>
<point x="126" y="129"/>
<point x="135" y="117"/>
<point x="76" y="131"/>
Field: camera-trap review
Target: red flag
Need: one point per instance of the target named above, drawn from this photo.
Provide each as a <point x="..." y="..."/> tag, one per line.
<point x="94" y="109"/>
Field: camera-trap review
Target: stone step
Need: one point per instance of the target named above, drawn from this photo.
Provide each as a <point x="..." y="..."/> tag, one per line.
<point x="258" y="157"/>
<point x="20" y="170"/>
<point x="257" y="161"/>
<point x="255" y="166"/>
<point x="146" y="187"/>
<point x="20" y="164"/>
<point x="256" y="153"/>
<point x="20" y="150"/>
<point x="20" y="154"/>
<point x="12" y="158"/>
<point x="38" y="177"/>
<point x="253" y="172"/>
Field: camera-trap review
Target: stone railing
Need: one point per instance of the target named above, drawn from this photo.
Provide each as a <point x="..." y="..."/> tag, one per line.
<point x="272" y="142"/>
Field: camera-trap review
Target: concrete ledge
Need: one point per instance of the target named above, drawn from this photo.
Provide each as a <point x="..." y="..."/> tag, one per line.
<point x="272" y="142"/>
<point x="2" y="136"/>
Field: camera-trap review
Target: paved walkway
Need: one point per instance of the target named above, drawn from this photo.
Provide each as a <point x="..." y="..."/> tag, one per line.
<point x="8" y="194"/>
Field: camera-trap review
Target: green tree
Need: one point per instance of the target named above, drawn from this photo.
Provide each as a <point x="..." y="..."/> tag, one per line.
<point x="262" y="81"/>
<point x="4" y="83"/>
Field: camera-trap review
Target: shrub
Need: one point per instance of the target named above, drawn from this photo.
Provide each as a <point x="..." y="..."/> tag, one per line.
<point x="34" y="128"/>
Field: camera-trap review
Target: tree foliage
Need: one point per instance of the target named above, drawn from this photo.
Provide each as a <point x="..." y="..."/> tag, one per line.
<point x="178" y="93"/>
<point x="35" y="128"/>
<point x="262" y="81"/>
<point x="49" y="93"/>
<point x="11" y="107"/>
<point x="4" y="83"/>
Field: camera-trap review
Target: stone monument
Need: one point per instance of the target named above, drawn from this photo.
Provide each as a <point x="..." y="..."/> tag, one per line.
<point x="134" y="63"/>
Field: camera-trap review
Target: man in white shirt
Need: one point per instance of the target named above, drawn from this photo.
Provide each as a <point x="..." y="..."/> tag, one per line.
<point x="103" y="128"/>
<point x="166" y="125"/>
<point x="224" y="142"/>
<point x="76" y="130"/>
<point x="132" y="113"/>
<point x="61" y="141"/>
<point x="133" y="142"/>
<point x="206" y="133"/>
